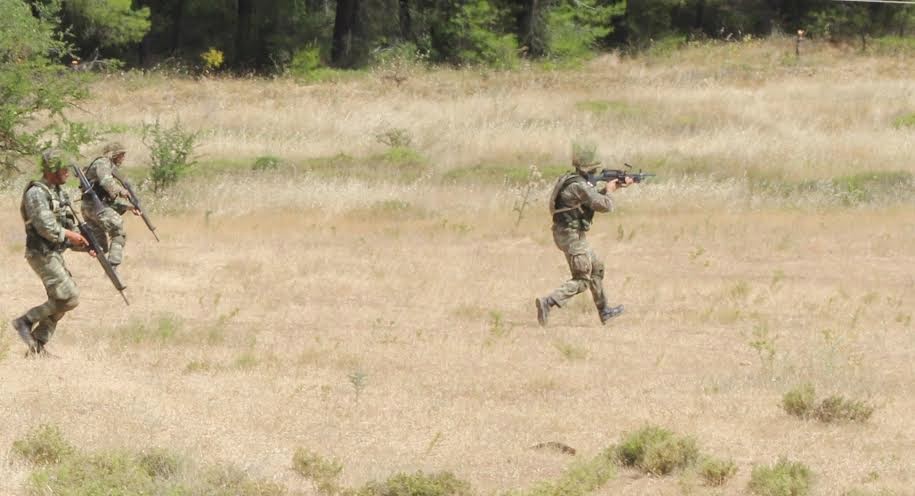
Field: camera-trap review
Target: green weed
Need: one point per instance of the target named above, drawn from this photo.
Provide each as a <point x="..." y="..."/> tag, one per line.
<point x="904" y="121"/>
<point x="785" y="478"/>
<point x="838" y="408"/>
<point x="716" y="472"/>
<point x="418" y="484"/>
<point x="496" y="174"/>
<point x="581" y="478"/>
<point x="322" y="473"/>
<point x="602" y="107"/>
<point x="43" y="445"/>
<point x="266" y="163"/>
<point x="569" y="351"/>
<point x="799" y="401"/>
<point x="163" y="330"/>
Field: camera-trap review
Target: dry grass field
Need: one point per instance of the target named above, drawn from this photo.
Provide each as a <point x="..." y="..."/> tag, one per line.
<point x="375" y="305"/>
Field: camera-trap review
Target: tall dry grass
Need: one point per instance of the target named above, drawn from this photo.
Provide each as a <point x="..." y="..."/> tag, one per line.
<point x="388" y="324"/>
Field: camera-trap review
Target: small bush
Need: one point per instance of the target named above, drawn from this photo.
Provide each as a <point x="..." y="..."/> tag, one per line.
<point x="657" y="451"/>
<point x="43" y="445"/>
<point x="323" y="473"/>
<point x="266" y="163"/>
<point x="799" y="401"/>
<point x="394" y="137"/>
<point x="115" y="473"/>
<point x="784" y="479"/>
<point x="838" y="408"/>
<point x="170" y="152"/>
<point x="212" y="59"/>
<point x="716" y="472"/>
<point x="419" y="484"/>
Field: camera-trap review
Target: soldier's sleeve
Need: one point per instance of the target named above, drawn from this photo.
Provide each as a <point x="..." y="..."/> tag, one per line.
<point x="106" y="179"/>
<point x="588" y="195"/>
<point x="39" y="213"/>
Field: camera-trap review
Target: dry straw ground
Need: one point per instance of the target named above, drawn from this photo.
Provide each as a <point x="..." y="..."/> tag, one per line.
<point x="388" y="322"/>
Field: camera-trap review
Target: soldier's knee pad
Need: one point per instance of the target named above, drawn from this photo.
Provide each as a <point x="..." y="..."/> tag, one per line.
<point x="581" y="266"/>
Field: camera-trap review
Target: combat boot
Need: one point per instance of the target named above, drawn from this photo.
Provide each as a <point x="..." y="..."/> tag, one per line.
<point x="609" y="312"/>
<point x="543" y="309"/>
<point x="24" y="328"/>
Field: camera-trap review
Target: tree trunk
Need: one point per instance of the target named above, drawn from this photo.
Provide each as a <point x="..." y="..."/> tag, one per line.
<point x="344" y="26"/>
<point x="406" y="22"/>
<point x="178" y="27"/>
<point x="245" y="34"/>
<point x="531" y="37"/>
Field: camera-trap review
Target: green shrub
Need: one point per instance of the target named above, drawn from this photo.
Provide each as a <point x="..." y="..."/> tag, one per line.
<point x="799" y="401"/>
<point x="307" y="67"/>
<point x="867" y="186"/>
<point x="114" y="473"/>
<point x="43" y="445"/>
<point x="170" y="152"/>
<point x="394" y="137"/>
<point x="837" y="408"/>
<point x="267" y="162"/>
<point x="581" y="478"/>
<point x="657" y="451"/>
<point x="904" y="121"/>
<point x="784" y="479"/>
<point x="323" y="473"/>
<point x="716" y="472"/>
<point x="866" y="492"/>
<point x="499" y="175"/>
<point x="228" y="481"/>
<point x="418" y="484"/>
<point x="160" y="464"/>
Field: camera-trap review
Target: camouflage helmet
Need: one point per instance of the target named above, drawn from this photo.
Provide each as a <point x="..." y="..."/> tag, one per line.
<point x="584" y="156"/>
<point x="113" y="149"/>
<point x="53" y="160"/>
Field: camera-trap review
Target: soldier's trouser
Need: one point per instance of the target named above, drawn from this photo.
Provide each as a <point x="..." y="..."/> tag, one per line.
<point x="63" y="295"/>
<point x="587" y="270"/>
<point x="107" y="224"/>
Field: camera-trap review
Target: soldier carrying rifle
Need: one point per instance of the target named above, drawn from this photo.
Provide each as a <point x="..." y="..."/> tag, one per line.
<point x="104" y="217"/>
<point x="50" y="229"/>
<point x="572" y="204"/>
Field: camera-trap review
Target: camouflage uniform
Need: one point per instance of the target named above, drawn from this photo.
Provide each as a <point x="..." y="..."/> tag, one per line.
<point x="572" y="204"/>
<point x="105" y="220"/>
<point x="46" y="220"/>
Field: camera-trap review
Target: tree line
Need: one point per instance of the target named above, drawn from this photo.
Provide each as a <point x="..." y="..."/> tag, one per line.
<point x="270" y="36"/>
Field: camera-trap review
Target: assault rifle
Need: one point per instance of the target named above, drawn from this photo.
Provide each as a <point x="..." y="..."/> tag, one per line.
<point x="87" y="233"/>
<point x="135" y="201"/>
<point x="608" y="175"/>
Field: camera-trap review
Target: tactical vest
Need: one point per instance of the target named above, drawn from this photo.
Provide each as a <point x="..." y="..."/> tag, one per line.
<point x="577" y="216"/>
<point x="33" y="240"/>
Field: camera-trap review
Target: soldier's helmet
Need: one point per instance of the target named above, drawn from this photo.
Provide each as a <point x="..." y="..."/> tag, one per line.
<point x="584" y="156"/>
<point x="113" y="149"/>
<point x="53" y="160"/>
